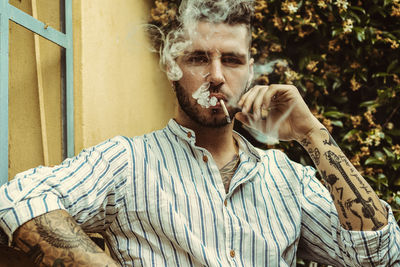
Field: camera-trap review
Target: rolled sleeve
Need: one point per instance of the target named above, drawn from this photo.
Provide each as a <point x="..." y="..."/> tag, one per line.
<point x="374" y="248"/>
<point x="90" y="187"/>
<point x="324" y="239"/>
<point x="27" y="209"/>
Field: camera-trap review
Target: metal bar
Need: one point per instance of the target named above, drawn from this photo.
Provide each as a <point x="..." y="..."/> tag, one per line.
<point x="32" y="24"/>
<point x="42" y="109"/>
<point x="3" y="91"/>
<point x="69" y="80"/>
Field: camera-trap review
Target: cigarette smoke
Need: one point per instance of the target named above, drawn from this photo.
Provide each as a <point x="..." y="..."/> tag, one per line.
<point x="178" y="40"/>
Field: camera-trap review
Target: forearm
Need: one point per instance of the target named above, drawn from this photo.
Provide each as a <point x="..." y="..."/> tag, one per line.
<point x="55" y="239"/>
<point x="358" y="206"/>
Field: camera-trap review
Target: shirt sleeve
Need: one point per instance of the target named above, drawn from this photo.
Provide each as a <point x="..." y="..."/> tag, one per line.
<point x="90" y="187"/>
<point x="324" y="240"/>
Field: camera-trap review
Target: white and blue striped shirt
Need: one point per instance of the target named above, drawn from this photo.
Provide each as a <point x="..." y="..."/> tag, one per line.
<point x="159" y="200"/>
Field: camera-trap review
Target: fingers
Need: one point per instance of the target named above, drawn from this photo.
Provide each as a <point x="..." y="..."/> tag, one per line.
<point x="247" y="100"/>
<point x="259" y="100"/>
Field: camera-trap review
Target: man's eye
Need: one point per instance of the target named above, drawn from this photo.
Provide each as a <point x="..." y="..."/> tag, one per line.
<point x="198" y="59"/>
<point x="232" y="61"/>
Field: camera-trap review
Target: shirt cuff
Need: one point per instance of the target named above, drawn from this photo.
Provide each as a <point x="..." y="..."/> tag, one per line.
<point x="26" y="210"/>
<point x="371" y="245"/>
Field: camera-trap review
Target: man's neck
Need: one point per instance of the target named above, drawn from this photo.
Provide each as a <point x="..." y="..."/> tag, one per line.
<point x="218" y="141"/>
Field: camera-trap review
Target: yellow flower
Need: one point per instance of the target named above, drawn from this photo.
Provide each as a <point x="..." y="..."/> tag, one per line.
<point x="354" y="84"/>
<point x="277" y="22"/>
<point x="342" y="5"/>
<point x="275" y="48"/>
<point x="347" y="26"/>
<point x="258" y="16"/>
<point x="260" y="6"/>
<point x="312" y="66"/>
<point x="396" y="8"/>
<point x="396" y="149"/>
<point x="289" y="7"/>
<point x="322" y="4"/>
<point x="356" y="120"/>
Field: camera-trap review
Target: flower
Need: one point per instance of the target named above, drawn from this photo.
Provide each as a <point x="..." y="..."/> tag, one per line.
<point x="370" y="118"/>
<point x="342" y="5"/>
<point x="356" y="120"/>
<point x="277" y="22"/>
<point x="322" y="4"/>
<point x="396" y="149"/>
<point x="395" y="9"/>
<point x="291" y="76"/>
<point x="347" y="26"/>
<point x="312" y="66"/>
<point x="261" y="6"/>
<point x="354" y="84"/>
<point x="275" y="47"/>
<point x="289" y="7"/>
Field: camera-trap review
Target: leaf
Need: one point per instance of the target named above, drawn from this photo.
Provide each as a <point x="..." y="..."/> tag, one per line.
<point x="337" y="123"/>
<point x="394" y="132"/>
<point x="359" y="8"/>
<point x="389" y="153"/>
<point x="350" y="134"/>
<point x="396" y="166"/>
<point x="397" y="198"/>
<point x="335" y="114"/>
<point x="392" y="66"/>
<point x="369" y="104"/>
<point x="380" y="74"/>
<point x="375" y="161"/>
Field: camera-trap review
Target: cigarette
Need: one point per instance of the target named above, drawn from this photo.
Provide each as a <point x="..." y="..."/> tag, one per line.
<point x="228" y="118"/>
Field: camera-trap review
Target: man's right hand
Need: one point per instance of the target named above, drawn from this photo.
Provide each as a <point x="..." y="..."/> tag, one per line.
<point x="55" y="239"/>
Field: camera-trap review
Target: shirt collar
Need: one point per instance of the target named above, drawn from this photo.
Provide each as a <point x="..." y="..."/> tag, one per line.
<point x="189" y="136"/>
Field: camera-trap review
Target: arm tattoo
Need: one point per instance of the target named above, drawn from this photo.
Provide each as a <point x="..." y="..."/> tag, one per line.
<point x="305" y="142"/>
<point x="315" y="155"/>
<point x="368" y="209"/>
<point x="55" y="239"/>
<point x="330" y="141"/>
<point x="63" y="232"/>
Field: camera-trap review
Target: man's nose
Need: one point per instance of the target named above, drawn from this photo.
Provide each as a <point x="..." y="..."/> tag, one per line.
<point x="216" y="74"/>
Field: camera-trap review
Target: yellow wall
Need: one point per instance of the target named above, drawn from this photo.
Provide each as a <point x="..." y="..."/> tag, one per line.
<point x="119" y="89"/>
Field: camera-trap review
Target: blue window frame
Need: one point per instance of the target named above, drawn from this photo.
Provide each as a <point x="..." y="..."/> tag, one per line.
<point x="63" y="39"/>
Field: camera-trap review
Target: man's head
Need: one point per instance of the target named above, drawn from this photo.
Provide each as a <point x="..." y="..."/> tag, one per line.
<point x="208" y="58"/>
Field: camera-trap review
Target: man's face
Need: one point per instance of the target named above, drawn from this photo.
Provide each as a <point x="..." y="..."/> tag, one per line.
<point x="219" y="56"/>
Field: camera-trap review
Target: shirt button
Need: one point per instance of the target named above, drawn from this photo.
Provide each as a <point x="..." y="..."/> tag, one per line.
<point x="232" y="253"/>
<point x="189" y="134"/>
<point x="205" y="158"/>
<point x="225" y="202"/>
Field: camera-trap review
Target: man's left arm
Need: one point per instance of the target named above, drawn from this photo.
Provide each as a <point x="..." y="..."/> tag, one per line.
<point x="358" y="207"/>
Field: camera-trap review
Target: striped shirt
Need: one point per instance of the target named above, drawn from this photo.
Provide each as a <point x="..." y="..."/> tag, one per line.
<point x="159" y="200"/>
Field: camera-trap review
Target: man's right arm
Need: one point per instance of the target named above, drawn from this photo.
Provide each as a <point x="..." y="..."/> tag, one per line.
<point x="55" y="239"/>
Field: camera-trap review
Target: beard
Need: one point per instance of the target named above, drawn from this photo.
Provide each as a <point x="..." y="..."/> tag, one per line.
<point x="206" y="117"/>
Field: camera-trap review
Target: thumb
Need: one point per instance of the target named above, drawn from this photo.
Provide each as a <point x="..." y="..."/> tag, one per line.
<point x="242" y="118"/>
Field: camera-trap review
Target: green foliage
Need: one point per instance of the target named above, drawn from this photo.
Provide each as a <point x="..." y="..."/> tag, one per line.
<point x="343" y="56"/>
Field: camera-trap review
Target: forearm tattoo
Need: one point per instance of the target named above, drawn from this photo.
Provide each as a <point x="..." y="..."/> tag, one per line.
<point x="353" y="197"/>
<point x="55" y="239"/>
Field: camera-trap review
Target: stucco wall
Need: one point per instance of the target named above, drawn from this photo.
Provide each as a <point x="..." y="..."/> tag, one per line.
<point x="119" y="89"/>
<point x="123" y="92"/>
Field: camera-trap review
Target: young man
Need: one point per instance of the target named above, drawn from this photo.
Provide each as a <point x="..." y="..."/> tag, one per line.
<point x="196" y="193"/>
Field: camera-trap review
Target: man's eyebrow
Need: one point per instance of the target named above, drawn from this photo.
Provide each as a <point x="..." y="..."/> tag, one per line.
<point x="234" y="54"/>
<point x="195" y="53"/>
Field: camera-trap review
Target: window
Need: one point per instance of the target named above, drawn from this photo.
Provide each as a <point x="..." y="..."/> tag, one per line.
<point x="62" y="38"/>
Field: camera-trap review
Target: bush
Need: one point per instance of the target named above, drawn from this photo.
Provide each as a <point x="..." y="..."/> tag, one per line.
<point x="344" y="58"/>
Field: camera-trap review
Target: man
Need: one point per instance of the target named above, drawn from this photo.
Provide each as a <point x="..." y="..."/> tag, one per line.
<point x="196" y="193"/>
